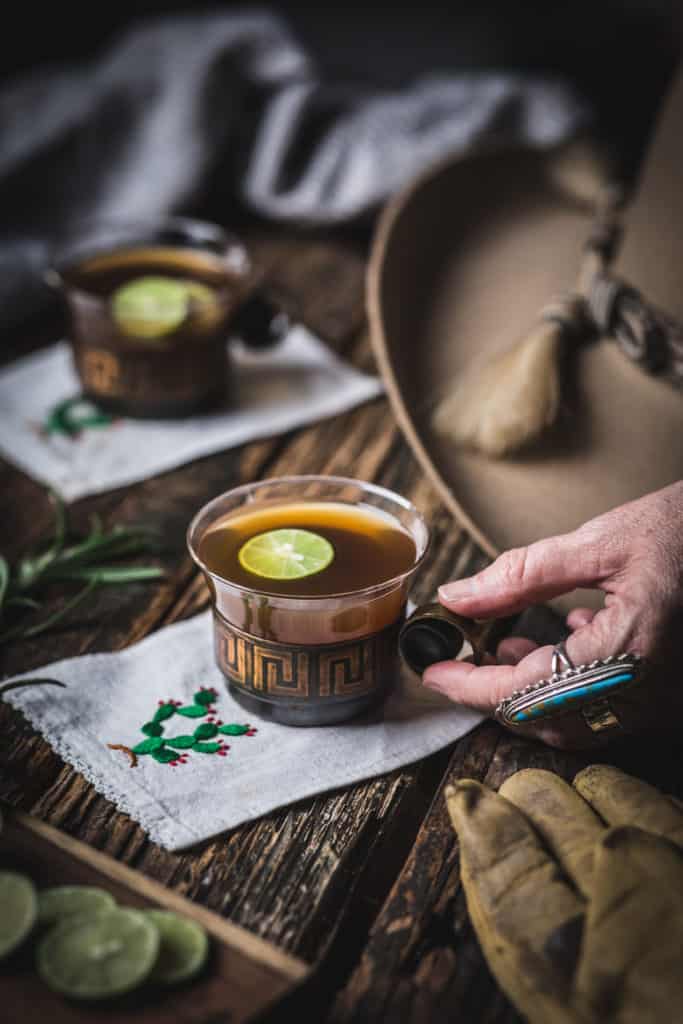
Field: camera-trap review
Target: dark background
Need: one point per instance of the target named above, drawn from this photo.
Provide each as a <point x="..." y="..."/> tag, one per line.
<point x="618" y="53"/>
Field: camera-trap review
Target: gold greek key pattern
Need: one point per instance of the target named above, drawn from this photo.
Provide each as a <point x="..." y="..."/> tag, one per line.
<point x="101" y="370"/>
<point x="288" y="672"/>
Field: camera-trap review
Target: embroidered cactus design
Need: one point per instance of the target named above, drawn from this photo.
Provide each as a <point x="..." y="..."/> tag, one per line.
<point x="74" y="415"/>
<point x="207" y="737"/>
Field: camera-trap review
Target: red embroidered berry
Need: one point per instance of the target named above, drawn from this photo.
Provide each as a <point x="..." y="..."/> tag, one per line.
<point x="219" y="721"/>
<point x="251" y="732"/>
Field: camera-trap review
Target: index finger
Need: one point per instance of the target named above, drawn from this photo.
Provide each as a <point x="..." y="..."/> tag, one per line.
<point x="483" y="687"/>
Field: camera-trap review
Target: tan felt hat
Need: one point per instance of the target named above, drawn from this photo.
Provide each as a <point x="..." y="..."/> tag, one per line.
<point x="462" y="262"/>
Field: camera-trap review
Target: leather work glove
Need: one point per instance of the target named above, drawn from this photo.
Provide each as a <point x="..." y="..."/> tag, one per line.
<point x="576" y="893"/>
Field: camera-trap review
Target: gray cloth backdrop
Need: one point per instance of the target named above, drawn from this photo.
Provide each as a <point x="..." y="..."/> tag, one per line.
<point x="229" y="106"/>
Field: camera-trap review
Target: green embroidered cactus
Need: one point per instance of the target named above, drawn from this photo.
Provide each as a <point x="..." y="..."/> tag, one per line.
<point x="174" y="750"/>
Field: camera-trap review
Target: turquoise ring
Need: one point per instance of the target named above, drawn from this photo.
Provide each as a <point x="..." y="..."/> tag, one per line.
<point x="586" y="689"/>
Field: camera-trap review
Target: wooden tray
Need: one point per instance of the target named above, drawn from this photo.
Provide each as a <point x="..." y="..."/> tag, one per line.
<point x="245" y="974"/>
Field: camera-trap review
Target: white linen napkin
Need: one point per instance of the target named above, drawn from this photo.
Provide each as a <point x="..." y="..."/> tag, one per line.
<point x="110" y="697"/>
<point x="297" y="382"/>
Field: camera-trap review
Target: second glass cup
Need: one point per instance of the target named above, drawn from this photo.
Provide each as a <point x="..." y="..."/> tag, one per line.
<point x="150" y="306"/>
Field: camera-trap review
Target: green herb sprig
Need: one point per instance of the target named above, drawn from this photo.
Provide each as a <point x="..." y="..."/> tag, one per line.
<point x="66" y="560"/>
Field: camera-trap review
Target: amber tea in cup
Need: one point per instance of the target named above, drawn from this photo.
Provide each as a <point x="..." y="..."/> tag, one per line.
<point x="309" y="577"/>
<point x="150" y="306"/>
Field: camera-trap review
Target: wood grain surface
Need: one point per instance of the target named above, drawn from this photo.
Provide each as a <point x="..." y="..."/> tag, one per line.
<point x="362" y="883"/>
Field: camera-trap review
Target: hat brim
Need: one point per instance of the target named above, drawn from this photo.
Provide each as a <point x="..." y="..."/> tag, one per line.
<point x="462" y="262"/>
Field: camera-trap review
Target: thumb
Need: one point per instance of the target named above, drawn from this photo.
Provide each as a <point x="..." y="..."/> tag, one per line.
<point x="529" y="575"/>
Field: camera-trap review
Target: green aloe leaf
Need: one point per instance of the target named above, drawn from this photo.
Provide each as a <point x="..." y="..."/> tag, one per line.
<point x="164" y="756"/>
<point x="51" y="620"/>
<point x="164" y="711"/>
<point x="60" y="524"/>
<point x="109" y="574"/>
<point x="191" y="710"/>
<point x="149" y="745"/>
<point x="181" y="742"/>
<point x="4" y="579"/>
<point x="206" y="748"/>
<point x="206" y="731"/>
<point x="86" y="560"/>
<point x="152" y="729"/>
<point x="232" y="729"/>
<point x="96" y="527"/>
<point x="22" y="602"/>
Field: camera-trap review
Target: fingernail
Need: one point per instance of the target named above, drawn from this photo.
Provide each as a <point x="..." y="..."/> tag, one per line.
<point x="457" y="590"/>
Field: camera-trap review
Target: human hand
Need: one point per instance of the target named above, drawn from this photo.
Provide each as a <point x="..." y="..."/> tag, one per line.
<point x="635" y="555"/>
<point x="571" y="891"/>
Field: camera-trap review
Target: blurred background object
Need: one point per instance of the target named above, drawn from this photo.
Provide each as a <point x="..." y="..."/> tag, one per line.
<point x="310" y="114"/>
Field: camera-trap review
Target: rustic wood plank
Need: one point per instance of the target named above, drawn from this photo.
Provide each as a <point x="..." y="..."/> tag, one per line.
<point x="316" y="280"/>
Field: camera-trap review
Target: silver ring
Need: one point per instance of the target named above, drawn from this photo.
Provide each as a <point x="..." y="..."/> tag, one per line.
<point x="560" y="659"/>
<point x="587" y="689"/>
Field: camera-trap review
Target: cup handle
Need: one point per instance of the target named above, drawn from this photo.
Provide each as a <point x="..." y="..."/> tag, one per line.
<point x="433" y="633"/>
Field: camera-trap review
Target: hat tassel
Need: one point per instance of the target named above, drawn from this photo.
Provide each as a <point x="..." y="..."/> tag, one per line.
<point x="507" y="403"/>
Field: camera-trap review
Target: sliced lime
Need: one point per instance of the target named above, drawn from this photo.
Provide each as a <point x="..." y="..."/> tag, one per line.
<point x="62" y="900"/>
<point x="184" y="948"/>
<point x="99" y="957"/>
<point x="287" y="554"/>
<point x="150" y="307"/>
<point x="18" y="910"/>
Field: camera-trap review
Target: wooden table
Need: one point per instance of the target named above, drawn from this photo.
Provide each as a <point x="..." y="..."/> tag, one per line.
<point x="363" y="883"/>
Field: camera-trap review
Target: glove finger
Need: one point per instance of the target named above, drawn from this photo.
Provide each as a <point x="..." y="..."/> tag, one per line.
<point x="630" y="964"/>
<point x="563" y="819"/>
<point x="526" y="914"/>
<point x="624" y="800"/>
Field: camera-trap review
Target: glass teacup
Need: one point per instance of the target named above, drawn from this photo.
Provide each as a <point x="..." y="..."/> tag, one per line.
<point x="308" y="660"/>
<point x="150" y="304"/>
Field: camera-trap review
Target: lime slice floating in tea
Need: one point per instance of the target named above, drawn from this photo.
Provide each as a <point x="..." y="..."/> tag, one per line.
<point x="62" y="900"/>
<point x="100" y="957"/>
<point x="150" y="307"/>
<point x="18" y="910"/>
<point x="184" y="948"/>
<point x="286" y="554"/>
